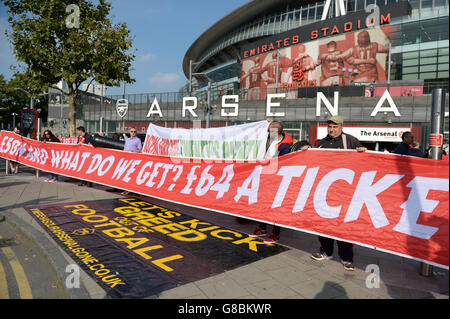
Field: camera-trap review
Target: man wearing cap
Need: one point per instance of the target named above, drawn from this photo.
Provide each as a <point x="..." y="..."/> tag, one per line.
<point x="336" y="138"/>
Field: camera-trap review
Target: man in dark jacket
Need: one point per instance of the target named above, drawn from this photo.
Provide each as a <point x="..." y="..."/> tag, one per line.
<point x="404" y="146"/>
<point x="336" y="138"/>
<point x="83" y="136"/>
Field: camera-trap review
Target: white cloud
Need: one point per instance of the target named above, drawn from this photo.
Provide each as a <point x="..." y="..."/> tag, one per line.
<point x="147" y="57"/>
<point x="165" y="79"/>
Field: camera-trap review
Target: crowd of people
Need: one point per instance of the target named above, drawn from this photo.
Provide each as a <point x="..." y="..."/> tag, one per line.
<point x="279" y="144"/>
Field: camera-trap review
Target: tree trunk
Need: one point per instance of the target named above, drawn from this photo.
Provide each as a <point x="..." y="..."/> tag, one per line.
<point x="72" y="113"/>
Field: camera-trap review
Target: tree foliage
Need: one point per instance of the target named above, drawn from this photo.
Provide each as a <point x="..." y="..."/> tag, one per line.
<point x="13" y="101"/>
<point x="45" y="39"/>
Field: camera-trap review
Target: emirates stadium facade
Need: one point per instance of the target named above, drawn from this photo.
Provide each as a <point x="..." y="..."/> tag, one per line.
<point x="374" y="62"/>
<point x="419" y="40"/>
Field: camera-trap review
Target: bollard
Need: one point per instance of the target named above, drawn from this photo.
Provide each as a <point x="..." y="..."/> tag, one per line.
<point x="38" y="138"/>
<point x="426" y="270"/>
<point x="7" y="167"/>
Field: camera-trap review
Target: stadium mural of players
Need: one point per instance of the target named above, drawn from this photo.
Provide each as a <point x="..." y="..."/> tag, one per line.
<point x="325" y="62"/>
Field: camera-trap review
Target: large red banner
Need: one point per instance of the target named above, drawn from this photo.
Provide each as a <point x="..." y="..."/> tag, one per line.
<point x="394" y="203"/>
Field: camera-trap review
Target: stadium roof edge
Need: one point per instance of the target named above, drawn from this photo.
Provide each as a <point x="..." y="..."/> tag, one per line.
<point x="228" y="23"/>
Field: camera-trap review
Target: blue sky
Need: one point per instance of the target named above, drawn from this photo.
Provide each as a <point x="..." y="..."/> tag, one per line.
<point x="163" y="31"/>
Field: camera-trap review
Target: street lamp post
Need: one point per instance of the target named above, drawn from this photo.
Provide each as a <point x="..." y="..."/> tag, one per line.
<point x="202" y="77"/>
<point x="14" y="119"/>
<point x="191" y="65"/>
<point x="31" y="96"/>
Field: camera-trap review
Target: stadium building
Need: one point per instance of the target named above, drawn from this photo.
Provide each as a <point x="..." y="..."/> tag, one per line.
<point x="374" y="62"/>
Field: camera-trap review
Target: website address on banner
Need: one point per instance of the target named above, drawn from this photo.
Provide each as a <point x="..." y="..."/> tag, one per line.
<point x="92" y="263"/>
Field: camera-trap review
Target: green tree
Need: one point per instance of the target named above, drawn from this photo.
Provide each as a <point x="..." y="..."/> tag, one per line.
<point x="57" y="40"/>
<point x="13" y="101"/>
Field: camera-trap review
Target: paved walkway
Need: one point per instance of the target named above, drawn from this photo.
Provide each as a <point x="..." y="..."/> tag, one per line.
<point x="291" y="274"/>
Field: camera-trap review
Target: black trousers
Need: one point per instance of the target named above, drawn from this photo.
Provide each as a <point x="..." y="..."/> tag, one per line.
<point x="345" y="250"/>
<point x="275" y="230"/>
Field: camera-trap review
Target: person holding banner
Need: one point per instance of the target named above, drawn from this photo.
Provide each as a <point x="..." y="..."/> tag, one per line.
<point x="279" y="146"/>
<point x="84" y="138"/>
<point x="15" y="165"/>
<point x="50" y="137"/>
<point x="132" y="144"/>
<point x="336" y="138"/>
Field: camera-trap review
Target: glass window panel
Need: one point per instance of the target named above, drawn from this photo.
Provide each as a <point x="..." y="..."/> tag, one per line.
<point x="443" y="74"/>
<point x="380" y="3"/>
<point x="396" y="57"/>
<point x="428" y="60"/>
<point x="443" y="51"/>
<point x="442" y="59"/>
<point x="428" y="68"/>
<point x="304" y="13"/>
<point x="427" y="4"/>
<point x="312" y="13"/>
<point x="426" y="36"/>
<point x="359" y="5"/>
<point x="411" y="69"/>
<point x="410" y="62"/>
<point x="443" y="67"/>
<point x="411" y="55"/>
<point x="428" y="75"/>
<point x="410" y="34"/>
<point x="439" y="3"/>
<point x="319" y="12"/>
<point x="427" y="53"/>
<point x="443" y="35"/>
<point x="350" y="5"/>
<point x="369" y="2"/>
<point x="415" y="4"/>
<point x="412" y="76"/>
<point x="391" y="1"/>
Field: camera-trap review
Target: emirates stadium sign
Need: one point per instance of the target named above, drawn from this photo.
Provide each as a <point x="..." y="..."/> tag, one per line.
<point x="372" y="16"/>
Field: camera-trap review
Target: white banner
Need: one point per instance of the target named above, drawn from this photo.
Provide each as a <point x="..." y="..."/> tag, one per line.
<point x="237" y="142"/>
<point x="370" y="133"/>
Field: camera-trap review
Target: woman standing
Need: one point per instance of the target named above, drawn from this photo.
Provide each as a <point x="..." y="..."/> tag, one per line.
<point x="50" y="137"/>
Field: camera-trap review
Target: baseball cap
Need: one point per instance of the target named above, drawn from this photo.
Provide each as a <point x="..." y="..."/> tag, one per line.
<point x="336" y="119"/>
